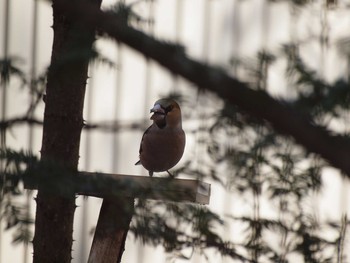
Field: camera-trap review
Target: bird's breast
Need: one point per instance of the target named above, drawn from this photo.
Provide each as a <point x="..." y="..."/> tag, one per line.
<point x="162" y="149"/>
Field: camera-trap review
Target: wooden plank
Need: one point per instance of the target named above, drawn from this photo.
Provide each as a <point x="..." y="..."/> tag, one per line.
<point x="158" y="188"/>
<point x="105" y="185"/>
<point x="119" y="191"/>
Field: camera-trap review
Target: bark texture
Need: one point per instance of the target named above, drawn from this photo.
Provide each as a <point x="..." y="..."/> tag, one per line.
<point x="63" y="122"/>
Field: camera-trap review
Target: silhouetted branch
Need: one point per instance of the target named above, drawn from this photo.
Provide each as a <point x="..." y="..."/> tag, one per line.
<point x="115" y="126"/>
<point x="112" y="126"/>
<point x="19" y="120"/>
<point x="105" y="126"/>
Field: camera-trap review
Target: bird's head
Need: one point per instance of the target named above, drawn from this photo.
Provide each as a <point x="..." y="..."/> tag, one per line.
<point x="166" y="112"/>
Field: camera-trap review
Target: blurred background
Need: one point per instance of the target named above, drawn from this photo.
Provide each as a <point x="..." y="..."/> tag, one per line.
<point x="279" y="46"/>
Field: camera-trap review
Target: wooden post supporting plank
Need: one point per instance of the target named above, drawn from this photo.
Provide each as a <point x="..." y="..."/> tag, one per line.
<point x="118" y="192"/>
<point x="111" y="230"/>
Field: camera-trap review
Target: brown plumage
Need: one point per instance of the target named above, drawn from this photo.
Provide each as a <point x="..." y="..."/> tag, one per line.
<point x="163" y="143"/>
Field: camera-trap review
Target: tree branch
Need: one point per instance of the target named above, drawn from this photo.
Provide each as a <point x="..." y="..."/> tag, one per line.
<point x="19" y="120"/>
<point x="107" y="126"/>
<point x="284" y="119"/>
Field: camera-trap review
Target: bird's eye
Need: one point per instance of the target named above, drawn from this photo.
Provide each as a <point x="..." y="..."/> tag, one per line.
<point x="169" y="108"/>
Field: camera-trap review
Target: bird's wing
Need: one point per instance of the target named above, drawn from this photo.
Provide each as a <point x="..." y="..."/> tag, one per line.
<point x="140" y="150"/>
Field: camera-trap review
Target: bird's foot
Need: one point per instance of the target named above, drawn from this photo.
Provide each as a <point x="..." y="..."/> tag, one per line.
<point x="170" y="174"/>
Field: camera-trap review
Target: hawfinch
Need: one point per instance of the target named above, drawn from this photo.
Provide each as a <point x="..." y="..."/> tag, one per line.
<point x="163" y="143"/>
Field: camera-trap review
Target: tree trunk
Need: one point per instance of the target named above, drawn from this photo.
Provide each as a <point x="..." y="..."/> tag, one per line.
<point x="63" y="122"/>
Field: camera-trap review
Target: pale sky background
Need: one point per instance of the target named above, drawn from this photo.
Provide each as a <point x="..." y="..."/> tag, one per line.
<point x="212" y="31"/>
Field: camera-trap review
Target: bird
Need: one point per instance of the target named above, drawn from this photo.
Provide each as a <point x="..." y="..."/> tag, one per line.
<point x="163" y="143"/>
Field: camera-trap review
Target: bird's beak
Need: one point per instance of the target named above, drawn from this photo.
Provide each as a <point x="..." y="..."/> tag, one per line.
<point x="157" y="109"/>
<point x="159" y="113"/>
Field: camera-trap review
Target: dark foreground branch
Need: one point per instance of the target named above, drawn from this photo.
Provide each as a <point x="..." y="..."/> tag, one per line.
<point x="19" y="120"/>
<point x="284" y="119"/>
<point x="106" y="126"/>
